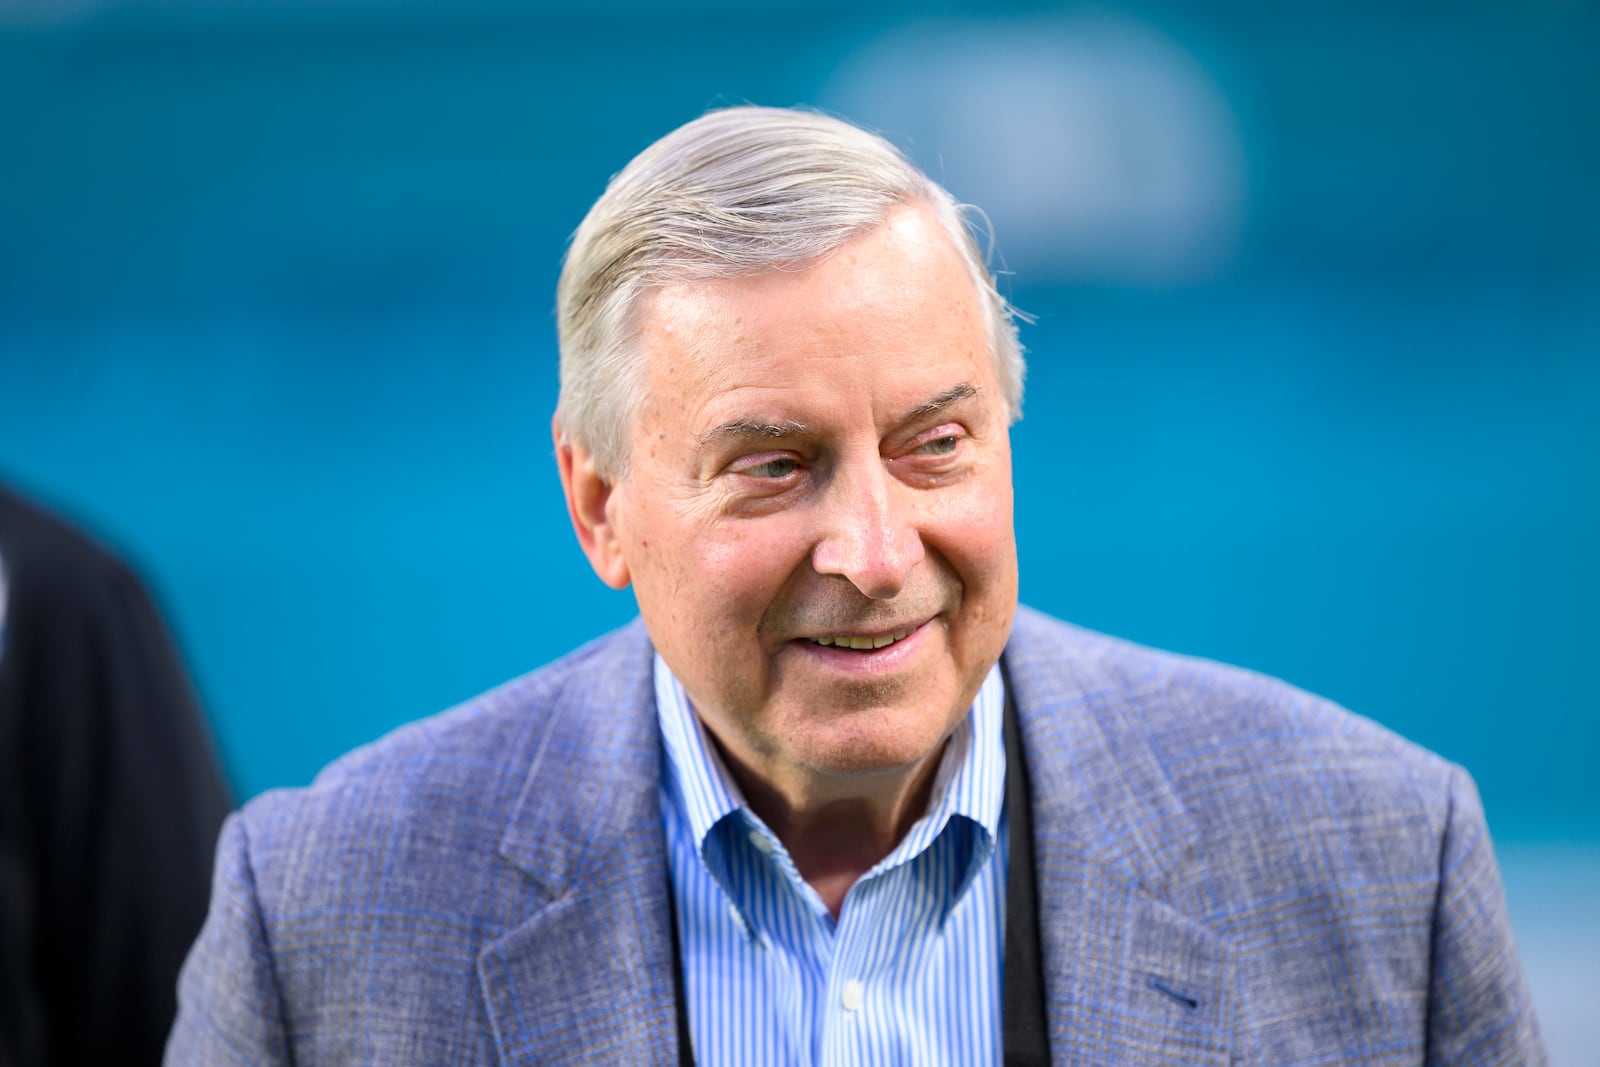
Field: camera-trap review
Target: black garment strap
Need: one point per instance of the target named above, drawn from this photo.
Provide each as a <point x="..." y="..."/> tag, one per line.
<point x="680" y="993"/>
<point x="1023" y="1035"/>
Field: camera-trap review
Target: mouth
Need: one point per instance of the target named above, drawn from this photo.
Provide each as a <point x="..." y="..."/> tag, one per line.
<point x="865" y="655"/>
<point x="867" y="643"/>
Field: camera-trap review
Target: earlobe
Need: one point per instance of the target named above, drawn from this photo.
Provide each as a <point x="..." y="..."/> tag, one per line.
<point x="588" y="499"/>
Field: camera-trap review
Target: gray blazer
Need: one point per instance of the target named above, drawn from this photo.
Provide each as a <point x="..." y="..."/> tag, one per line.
<point x="1229" y="871"/>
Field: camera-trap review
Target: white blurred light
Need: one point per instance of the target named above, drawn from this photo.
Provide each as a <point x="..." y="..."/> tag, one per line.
<point x="1100" y="149"/>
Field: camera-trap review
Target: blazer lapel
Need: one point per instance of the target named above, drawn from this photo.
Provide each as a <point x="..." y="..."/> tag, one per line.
<point x="1129" y="977"/>
<point x="586" y="976"/>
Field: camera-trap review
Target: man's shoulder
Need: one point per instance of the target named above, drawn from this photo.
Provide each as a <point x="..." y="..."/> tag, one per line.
<point x="1178" y="699"/>
<point x="1236" y="751"/>
<point x="445" y="786"/>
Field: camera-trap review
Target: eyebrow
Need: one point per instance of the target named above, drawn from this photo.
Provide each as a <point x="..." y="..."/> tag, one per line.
<point x="952" y="395"/>
<point x="762" y="429"/>
<point x="746" y="429"/>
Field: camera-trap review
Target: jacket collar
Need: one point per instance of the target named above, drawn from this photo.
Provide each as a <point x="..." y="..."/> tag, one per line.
<point x="1096" y="772"/>
<point x="587" y="977"/>
<point x="1129" y="975"/>
<point x="595" y="768"/>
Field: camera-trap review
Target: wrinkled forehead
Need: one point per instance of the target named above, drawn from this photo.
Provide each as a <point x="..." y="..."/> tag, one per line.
<point x="844" y="347"/>
<point x="891" y="294"/>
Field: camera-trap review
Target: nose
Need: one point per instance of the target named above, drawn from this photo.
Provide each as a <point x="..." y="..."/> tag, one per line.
<point x="868" y="530"/>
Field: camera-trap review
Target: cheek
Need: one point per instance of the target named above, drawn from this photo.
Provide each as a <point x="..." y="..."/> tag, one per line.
<point x="706" y="575"/>
<point x="976" y="525"/>
<point x="973" y="531"/>
<point x="746" y="564"/>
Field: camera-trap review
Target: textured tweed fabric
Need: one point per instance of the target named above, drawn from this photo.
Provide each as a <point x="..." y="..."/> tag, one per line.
<point x="1229" y="871"/>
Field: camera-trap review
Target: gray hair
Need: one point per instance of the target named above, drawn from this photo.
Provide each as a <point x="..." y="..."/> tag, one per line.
<point x="736" y="192"/>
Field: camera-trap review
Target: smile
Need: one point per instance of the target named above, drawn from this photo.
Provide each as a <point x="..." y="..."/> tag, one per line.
<point x="864" y="644"/>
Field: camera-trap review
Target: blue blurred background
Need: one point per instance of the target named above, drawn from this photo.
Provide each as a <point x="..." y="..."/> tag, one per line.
<point x="1313" y="383"/>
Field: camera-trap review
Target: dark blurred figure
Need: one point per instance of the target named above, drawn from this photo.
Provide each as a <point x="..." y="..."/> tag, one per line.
<point x="110" y="802"/>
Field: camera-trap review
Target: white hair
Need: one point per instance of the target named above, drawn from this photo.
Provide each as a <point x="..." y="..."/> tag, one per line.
<point x="736" y="192"/>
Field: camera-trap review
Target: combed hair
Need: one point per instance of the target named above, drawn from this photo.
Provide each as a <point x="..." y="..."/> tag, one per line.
<point x="737" y="192"/>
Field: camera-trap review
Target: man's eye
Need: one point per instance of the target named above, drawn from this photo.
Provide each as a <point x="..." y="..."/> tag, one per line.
<point x="780" y="467"/>
<point x="939" y="446"/>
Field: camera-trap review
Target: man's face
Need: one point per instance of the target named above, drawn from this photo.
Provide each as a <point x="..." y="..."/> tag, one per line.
<point x="822" y="462"/>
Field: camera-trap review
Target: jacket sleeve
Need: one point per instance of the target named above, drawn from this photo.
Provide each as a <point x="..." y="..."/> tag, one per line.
<point x="1479" y="1011"/>
<point x="229" y="1008"/>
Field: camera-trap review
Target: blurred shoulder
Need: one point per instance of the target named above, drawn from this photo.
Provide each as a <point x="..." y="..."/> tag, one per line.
<point x="54" y="566"/>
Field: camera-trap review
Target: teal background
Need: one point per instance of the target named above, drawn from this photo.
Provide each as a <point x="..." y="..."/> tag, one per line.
<point x="276" y="285"/>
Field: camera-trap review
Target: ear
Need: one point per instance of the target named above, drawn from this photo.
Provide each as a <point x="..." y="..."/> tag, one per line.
<point x="587" y="496"/>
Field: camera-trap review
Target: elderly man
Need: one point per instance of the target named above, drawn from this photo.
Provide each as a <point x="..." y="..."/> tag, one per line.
<point x="837" y="799"/>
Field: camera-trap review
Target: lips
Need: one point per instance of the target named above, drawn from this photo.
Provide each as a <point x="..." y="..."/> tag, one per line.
<point x="865" y="643"/>
<point x="860" y="655"/>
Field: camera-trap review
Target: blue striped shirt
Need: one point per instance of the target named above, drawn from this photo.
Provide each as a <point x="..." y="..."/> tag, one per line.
<point x="909" y="973"/>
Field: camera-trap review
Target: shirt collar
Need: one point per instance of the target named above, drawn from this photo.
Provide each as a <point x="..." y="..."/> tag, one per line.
<point x="699" y="780"/>
<point x="970" y="781"/>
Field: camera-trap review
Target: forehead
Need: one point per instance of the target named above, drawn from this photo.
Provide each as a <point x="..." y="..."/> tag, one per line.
<point x="893" y="311"/>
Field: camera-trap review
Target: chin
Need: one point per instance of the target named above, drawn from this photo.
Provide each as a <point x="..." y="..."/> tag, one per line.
<point x="872" y="742"/>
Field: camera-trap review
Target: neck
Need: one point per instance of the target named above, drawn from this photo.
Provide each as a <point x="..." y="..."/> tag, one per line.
<point x="836" y="830"/>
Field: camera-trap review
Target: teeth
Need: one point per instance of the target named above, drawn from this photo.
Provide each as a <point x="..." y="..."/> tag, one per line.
<point x="864" y="643"/>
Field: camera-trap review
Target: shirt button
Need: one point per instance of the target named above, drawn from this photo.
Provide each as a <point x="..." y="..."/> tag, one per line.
<point x="852" y="995"/>
<point x="759" y="839"/>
